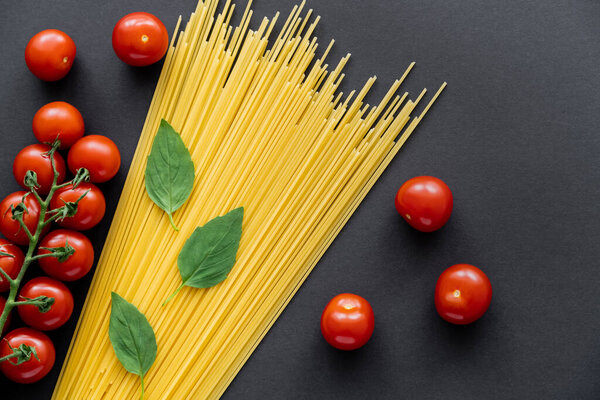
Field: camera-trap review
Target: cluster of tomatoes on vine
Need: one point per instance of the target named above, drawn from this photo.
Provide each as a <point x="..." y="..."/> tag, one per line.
<point x="462" y="294"/>
<point x="65" y="254"/>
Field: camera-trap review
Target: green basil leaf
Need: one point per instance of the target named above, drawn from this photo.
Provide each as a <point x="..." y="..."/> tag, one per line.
<point x="132" y="337"/>
<point x="169" y="171"/>
<point x="210" y="252"/>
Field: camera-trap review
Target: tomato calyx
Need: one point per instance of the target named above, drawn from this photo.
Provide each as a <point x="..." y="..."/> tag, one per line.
<point x="82" y="175"/>
<point x="62" y="253"/>
<point x="22" y="353"/>
<point x="69" y="209"/>
<point x="18" y="211"/>
<point x="43" y="303"/>
<point x="31" y="180"/>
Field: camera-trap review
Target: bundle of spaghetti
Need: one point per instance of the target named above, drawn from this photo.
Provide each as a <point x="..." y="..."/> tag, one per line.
<point x="267" y="130"/>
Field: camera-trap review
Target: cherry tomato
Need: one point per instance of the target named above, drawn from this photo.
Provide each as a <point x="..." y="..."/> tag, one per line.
<point x="34" y="369"/>
<point x="49" y="54"/>
<point x="425" y="203"/>
<point x="10" y="228"/>
<point x="98" y="154"/>
<point x="463" y="293"/>
<point x="10" y="265"/>
<point x="59" y="312"/>
<point x="347" y="322"/>
<point x="77" y="265"/>
<point x="58" y="120"/>
<point x="90" y="209"/>
<point x="35" y="158"/>
<point x="140" y="39"/>
<point x="7" y="323"/>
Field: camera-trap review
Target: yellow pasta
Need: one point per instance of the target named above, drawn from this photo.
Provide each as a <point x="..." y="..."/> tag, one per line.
<point x="268" y="131"/>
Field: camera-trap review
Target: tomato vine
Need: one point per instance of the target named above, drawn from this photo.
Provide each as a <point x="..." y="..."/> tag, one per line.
<point x="46" y="217"/>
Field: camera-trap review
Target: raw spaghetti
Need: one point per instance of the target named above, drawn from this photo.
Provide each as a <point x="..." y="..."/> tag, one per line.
<point x="268" y="131"/>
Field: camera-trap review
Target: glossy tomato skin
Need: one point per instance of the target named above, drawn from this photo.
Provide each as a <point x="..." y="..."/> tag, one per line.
<point x="7" y="323"/>
<point x="58" y="120"/>
<point x="98" y="154"/>
<point x="425" y="202"/>
<point x="347" y="322"/>
<point x="90" y="209"/>
<point x="49" y="54"/>
<point x="140" y="39"/>
<point x="10" y="265"/>
<point x="463" y="294"/>
<point x="77" y="265"/>
<point x="33" y="370"/>
<point x="10" y="227"/>
<point x="59" y="312"/>
<point x="35" y="158"/>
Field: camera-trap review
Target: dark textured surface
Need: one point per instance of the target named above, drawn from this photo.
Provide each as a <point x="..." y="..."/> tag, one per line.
<point x="516" y="136"/>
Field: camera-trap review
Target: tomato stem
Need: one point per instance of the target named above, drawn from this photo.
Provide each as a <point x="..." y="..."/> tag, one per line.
<point x="33" y="242"/>
<point x="5" y="275"/>
<point x="43" y="303"/>
<point x="22" y="353"/>
<point x="14" y="354"/>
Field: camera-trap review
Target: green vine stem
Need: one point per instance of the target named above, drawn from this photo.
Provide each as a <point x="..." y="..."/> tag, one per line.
<point x="68" y="209"/>
<point x="22" y="353"/>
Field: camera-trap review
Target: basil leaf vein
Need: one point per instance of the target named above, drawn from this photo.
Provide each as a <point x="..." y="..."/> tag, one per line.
<point x="210" y="253"/>
<point x="132" y="337"/>
<point x="169" y="171"/>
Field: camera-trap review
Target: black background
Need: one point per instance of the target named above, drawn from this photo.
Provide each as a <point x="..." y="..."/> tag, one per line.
<point x="516" y="136"/>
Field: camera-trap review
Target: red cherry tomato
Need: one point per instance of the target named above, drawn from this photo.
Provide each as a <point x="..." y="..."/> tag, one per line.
<point x="140" y="39"/>
<point x="347" y="322"/>
<point x="59" y="312"/>
<point x="49" y="54"/>
<point x="10" y="265"/>
<point x="425" y="203"/>
<point x="463" y="293"/>
<point x="90" y="209"/>
<point x="77" y="265"/>
<point x="7" y="323"/>
<point x="35" y="158"/>
<point x="58" y="120"/>
<point x="98" y="154"/>
<point x="35" y="368"/>
<point x="10" y="228"/>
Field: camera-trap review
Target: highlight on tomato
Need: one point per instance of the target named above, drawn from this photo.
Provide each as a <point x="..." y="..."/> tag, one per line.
<point x="35" y="158"/>
<point x="37" y="366"/>
<point x="90" y="209"/>
<point x="77" y="265"/>
<point x="9" y="226"/>
<point x="425" y="202"/>
<point x="50" y="54"/>
<point x="11" y="263"/>
<point x="463" y="294"/>
<point x="347" y="322"/>
<point x="140" y="39"/>
<point x="58" y="120"/>
<point x="53" y="314"/>
<point x="98" y="154"/>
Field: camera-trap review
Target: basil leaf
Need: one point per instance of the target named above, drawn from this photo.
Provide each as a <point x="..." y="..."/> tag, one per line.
<point x="132" y="337"/>
<point x="209" y="254"/>
<point x="169" y="171"/>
